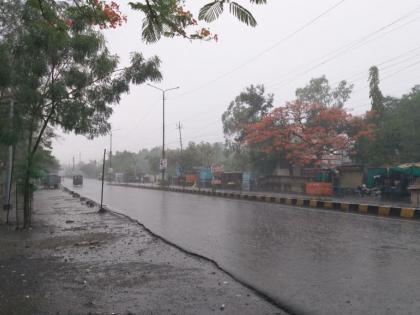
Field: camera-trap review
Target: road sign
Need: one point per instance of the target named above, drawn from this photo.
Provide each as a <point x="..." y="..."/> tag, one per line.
<point x="163" y="164"/>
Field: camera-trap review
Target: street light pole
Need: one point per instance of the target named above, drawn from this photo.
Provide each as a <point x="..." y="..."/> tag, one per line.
<point x="163" y="124"/>
<point x="110" y="150"/>
<point x="110" y="153"/>
<point x="163" y="135"/>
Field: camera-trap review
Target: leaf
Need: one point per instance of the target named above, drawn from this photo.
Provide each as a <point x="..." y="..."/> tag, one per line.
<point x="151" y="32"/>
<point x="242" y="14"/>
<point x="211" y="11"/>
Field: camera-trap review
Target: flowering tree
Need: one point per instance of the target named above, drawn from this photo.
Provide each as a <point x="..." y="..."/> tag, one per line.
<point x="171" y="18"/>
<point x="306" y="133"/>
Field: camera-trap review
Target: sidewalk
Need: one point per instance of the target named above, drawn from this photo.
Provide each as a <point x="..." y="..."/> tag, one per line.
<point x="76" y="261"/>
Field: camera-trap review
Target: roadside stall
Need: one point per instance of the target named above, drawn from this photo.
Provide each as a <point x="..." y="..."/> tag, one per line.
<point x="190" y="178"/>
<point x="204" y="176"/>
<point x="216" y="181"/>
<point x="403" y="181"/>
<point x="232" y="180"/>
<point x="350" y="179"/>
<point x="248" y="181"/>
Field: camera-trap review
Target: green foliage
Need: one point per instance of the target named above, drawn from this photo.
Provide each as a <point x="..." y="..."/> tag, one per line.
<point x="375" y="93"/>
<point x="169" y="18"/>
<point x="56" y="68"/>
<point x="211" y="11"/>
<point x="248" y="107"/>
<point x="397" y="136"/>
<point x="319" y="91"/>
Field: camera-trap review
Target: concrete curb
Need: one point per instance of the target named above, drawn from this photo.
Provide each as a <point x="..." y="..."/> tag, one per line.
<point x="359" y="208"/>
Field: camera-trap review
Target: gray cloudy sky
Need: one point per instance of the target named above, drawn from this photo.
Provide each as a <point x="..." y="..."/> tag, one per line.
<point x="342" y="44"/>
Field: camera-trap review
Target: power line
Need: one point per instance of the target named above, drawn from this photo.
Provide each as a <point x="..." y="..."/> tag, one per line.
<point x="361" y="42"/>
<point x="391" y="74"/>
<point x="401" y="70"/>
<point x="355" y="76"/>
<point x="257" y="56"/>
<point x="347" y="48"/>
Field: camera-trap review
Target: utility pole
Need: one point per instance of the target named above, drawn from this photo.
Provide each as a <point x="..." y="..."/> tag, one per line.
<point x="181" y="166"/>
<point x="110" y="153"/>
<point x="110" y="150"/>
<point x="163" y="162"/>
<point x="9" y="168"/>
<point x="179" y="127"/>
<point x="101" y="209"/>
<point x="73" y="164"/>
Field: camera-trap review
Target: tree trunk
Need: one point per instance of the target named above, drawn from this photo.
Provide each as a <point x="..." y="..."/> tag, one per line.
<point x="27" y="180"/>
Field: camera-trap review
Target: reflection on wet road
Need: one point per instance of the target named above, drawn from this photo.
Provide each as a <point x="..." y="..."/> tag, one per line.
<point x="313" y="261"/>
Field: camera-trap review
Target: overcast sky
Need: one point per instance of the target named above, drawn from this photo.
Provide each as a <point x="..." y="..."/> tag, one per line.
<point x="342" y="44"/>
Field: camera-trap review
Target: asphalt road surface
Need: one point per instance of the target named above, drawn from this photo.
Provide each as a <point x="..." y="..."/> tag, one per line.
<point x="311" y="261"/>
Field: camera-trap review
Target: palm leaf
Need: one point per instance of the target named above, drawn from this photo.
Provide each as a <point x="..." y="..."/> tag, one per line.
<point x="151" y="32"/>
<point x="211" y="11"/>
<point x="242" y="14"/>
<point x="258" y="1"/>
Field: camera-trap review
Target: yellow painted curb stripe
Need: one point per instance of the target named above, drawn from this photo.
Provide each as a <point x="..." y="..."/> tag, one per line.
<point x="407" y="212"/>
<point x="363" y="208"/>
<point x="384" y="211"/>
<point x="328" y="204"/>
<point x="313" y="203"/>
<point x="345" y="206"/>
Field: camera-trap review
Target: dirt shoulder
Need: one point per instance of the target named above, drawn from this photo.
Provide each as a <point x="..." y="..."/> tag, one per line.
<point x="76" y="261"/>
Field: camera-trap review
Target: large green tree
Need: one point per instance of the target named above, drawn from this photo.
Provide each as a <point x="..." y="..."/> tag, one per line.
<point x="248" y="107"/>
<point x="61" y="74"/>
<point x="397" y="136"/>
<point x="319" y="91"/>
<point x="375" y="94"/>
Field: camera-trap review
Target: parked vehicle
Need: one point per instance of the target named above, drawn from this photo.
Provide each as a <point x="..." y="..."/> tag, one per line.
<point x="51" y="181"/>
<point x="77" y="180"/>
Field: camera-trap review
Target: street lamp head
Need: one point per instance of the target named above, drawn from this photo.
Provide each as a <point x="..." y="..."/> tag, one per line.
<point x="162" y="90"/>
<point x="155" y="87"/>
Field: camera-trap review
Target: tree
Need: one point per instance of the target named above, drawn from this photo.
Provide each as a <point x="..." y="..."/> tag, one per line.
<point x="248" y="107"/>
<point x="170" y="18"/>
<point x="64" y="76"/>
<point x="375" y="94"/>
<point x="396" y="139"/>
<point x="305" y="132"/>
<point x="319" y="91"/>
<point x="55" y="66"/>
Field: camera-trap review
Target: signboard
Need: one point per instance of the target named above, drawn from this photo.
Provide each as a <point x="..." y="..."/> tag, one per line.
<point x="163" y="164"/>
<point x="217" y="169"/>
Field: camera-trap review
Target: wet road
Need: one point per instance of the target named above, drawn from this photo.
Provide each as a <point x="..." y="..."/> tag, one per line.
<point x="312" y="261"/>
